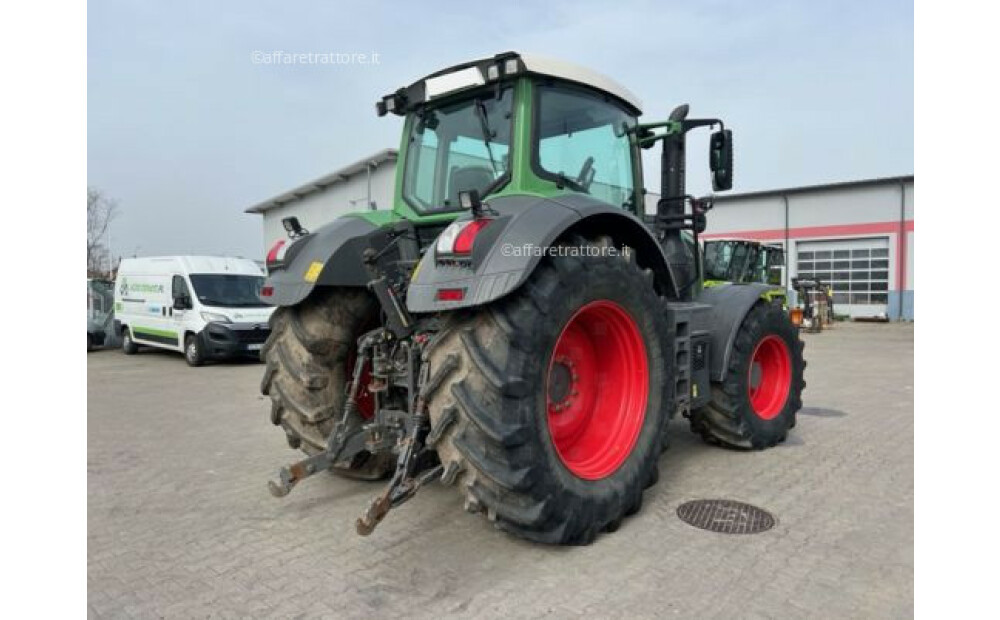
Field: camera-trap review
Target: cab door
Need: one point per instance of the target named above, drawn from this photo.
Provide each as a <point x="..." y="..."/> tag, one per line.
<point x="182" y="306"/>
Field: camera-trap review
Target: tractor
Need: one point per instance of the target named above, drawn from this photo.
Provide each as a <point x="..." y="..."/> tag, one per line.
<point x="745" y="261"/>
<point x="517" y="326"/>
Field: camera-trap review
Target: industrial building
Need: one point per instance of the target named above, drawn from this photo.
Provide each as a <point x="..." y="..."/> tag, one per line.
<point x="855" y="236"/>
<point x="366" y="184"/>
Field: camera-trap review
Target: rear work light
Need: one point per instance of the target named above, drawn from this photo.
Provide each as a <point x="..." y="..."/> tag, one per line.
<point x="459" y="238"/>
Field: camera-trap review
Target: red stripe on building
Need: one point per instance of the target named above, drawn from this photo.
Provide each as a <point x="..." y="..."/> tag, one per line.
<point x="837" y="230"/>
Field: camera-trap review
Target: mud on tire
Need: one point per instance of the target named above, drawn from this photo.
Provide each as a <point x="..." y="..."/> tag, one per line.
<point x="730" y="418"/>
<point x="306" y="373"/>
<point x="488" y="402"/>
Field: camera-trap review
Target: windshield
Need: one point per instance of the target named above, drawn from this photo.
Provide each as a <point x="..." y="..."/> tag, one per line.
<point x="722" y="258"/>
<point x="228" y="290"/>
<point x="458" y="147"/>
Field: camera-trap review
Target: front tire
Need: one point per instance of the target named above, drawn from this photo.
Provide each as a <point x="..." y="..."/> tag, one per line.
<point x="548" y="407"/>
<point x="193" y="353"/>
<point x="754" y="406"/>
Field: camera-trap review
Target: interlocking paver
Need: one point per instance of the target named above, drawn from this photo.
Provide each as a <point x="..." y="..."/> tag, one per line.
<point x="180" y="524"/>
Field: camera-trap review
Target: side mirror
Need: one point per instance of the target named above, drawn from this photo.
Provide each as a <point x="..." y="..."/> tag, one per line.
<point x="182" y="302"/>
<point x="720" y="160"/>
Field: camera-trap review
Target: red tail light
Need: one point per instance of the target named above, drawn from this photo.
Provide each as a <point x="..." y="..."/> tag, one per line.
<point x="266" y="291"/>
<point x="276" y="252"/>
<point x="465" y="239"/>
<point x="450" y="294"/>
<point x="459" y="237"/>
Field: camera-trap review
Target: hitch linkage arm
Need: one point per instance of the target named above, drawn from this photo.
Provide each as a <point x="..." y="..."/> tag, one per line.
<point x="404" y="484"/>
<point x="339" y="439"/>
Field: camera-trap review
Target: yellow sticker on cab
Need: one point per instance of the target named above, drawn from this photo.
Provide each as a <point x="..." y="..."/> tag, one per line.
<point x="312" y="274"/>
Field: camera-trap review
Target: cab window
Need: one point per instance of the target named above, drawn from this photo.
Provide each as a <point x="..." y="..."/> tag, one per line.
<point x="458" y="147"/>
<point x="180" y="288"/>
<point x="581" y="142"/>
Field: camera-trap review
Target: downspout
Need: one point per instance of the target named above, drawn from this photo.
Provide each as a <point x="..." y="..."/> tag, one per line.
<point x="901" y="246"/>
<point x="788" y="253"/>
<point x="368" y="168"/>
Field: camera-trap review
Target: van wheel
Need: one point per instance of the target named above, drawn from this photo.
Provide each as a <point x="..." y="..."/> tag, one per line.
<point x="193" y="354"/>
<point x="129" y="347"/>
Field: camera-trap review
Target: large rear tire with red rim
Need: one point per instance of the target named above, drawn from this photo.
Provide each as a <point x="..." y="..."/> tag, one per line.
<point x="755" y="405"/>
<point x="308" y="355"/>
<point x="549" y="407"/>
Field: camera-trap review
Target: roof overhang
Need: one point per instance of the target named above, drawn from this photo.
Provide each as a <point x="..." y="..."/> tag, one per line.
<point x="805" y="189"/>
<point x="324" y="182"/>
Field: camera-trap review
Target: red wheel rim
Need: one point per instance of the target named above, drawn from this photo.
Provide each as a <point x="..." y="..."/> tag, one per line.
<point x="596" y="390"/>
<point x="770" y="377"/>
<point x="365" y="399"/>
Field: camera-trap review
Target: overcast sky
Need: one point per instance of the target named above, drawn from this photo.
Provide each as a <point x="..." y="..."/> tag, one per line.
<point x="185" y="131"/>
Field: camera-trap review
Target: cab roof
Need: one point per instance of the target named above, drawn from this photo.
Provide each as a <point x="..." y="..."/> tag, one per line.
<point x="483" y="71"/>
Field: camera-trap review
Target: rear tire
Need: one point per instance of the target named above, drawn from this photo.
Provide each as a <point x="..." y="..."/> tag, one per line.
<point x="496" y="399"/>
<point x="755" y="405"/>
<point x="307" y="364"/>
<point x="129" y="347"/>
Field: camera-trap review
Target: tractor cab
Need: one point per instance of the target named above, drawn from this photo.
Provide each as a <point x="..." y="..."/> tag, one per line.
<point x="514" y="125"/>
<point x="742" y="261"/>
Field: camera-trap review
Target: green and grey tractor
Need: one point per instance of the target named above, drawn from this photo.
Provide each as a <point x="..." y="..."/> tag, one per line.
<point x="745" y="261"/>
<point x="516" y="325"/>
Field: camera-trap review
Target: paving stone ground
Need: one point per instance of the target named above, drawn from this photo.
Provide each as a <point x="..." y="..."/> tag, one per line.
<point x="180" y="524"/>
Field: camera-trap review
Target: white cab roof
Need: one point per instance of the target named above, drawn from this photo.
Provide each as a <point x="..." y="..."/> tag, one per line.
<point x="575" y="73"/>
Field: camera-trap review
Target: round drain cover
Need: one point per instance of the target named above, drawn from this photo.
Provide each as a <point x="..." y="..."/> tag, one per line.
<point x="725" y="516"/>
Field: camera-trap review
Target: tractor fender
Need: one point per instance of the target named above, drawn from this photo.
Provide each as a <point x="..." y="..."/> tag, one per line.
<point x="730" y="304"/>
<point x="330" y="256"/>
<point x="508" y="250"/>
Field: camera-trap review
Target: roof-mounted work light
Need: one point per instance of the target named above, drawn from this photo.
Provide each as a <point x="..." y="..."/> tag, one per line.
<point x="293" y="228"/>
<point x="395" y="103"/>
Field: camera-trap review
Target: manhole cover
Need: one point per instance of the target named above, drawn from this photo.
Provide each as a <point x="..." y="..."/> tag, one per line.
<point x="725" y="516"/>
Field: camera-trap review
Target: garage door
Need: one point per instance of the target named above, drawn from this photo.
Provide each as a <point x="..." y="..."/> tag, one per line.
<point x="857" y="269"/>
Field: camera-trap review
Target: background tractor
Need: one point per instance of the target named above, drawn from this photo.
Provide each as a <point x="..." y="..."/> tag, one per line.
<point x="745" y="261"/>
<point x="516" y="326"/>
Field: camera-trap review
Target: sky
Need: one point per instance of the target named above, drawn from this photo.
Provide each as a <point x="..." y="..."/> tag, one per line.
<point x="186" y="130"/>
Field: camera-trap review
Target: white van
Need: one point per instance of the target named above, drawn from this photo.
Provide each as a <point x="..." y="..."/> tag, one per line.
<point x="204" y="306"/>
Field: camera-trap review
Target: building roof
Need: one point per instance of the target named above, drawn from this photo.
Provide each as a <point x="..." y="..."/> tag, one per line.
<point x="802" y="189"/>
<point x="337" y="176"/>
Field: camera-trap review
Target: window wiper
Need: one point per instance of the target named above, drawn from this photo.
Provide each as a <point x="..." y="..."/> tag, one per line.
<point x="564" y="181"/>
<point x="484" y="125"/>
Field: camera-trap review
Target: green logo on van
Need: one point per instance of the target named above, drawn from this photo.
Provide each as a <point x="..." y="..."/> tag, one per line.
<point x="138" y="287"/>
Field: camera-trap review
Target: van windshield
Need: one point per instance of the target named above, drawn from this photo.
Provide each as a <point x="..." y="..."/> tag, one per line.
<point x="228" y="290"/>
